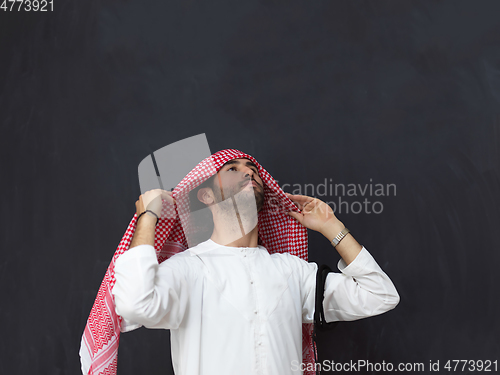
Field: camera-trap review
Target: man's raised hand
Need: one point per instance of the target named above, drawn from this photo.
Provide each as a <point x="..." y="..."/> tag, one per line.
<point x="315" y="213"/>
<point x="152" y="200"/>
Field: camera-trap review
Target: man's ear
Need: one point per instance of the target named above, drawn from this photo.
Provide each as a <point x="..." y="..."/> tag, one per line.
<point x="204" y="196"/>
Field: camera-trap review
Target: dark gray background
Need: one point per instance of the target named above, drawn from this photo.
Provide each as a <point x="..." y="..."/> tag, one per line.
<point x="402" y="92"/>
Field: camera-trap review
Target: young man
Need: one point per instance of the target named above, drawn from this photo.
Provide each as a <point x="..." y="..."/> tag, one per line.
<point x="232" y="306"/>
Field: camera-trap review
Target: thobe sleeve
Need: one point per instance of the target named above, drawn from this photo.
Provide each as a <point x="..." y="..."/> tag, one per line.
<point x="147" y="293"/>
<point x="360" y="290"/>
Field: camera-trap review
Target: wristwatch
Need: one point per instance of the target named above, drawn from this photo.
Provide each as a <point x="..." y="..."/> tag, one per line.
<point x="339" y="236"/>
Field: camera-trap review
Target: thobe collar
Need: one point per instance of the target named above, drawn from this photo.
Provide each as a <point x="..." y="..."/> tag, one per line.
<point x="209" y="245"/>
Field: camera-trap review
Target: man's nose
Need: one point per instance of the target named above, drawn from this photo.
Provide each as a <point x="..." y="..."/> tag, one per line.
<point x="248" y="172"/>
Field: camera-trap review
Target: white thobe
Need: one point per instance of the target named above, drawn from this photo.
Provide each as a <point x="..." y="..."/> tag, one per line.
<point x="239" y="310"/>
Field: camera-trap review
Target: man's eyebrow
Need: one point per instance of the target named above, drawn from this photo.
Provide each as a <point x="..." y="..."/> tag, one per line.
<point x="248" y="163"/>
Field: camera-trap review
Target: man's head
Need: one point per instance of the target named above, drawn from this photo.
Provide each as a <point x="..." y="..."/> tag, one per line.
<point x="234" y="177"/>
<point x="237" y="177"/>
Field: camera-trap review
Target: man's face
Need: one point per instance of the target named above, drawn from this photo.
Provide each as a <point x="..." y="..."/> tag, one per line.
<point x="239" y="175"/>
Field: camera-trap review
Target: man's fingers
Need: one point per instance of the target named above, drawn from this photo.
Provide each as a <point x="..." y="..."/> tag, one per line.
<point x="296" y="216"/>
<point x="167" y="195"/>
<point x="153" y="200"/>
<point x="300" y="199"/>
<point x="164" y="194"/>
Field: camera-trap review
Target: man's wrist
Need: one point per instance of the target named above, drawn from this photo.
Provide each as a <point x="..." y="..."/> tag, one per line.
<point x="331" y="228"/>
<point x="147" y="219"/>
<point x="144" y="233"/>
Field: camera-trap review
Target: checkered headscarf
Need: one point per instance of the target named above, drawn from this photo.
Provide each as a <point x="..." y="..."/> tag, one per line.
<point x="278" y="233"/>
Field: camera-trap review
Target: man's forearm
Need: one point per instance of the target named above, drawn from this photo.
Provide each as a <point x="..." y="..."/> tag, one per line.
<point x="145" y="231"/>
<point x="348" y="248"/>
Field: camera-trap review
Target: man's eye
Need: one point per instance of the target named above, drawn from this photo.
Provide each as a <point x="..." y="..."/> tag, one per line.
<point x="234" y="168"/>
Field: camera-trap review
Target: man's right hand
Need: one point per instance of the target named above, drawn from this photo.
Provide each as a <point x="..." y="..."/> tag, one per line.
<point x="152" y="200"/>
<point x="144" y="233"/>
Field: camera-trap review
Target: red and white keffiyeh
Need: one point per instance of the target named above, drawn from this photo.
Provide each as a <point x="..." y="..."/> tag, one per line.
<point x="278" y="233"/>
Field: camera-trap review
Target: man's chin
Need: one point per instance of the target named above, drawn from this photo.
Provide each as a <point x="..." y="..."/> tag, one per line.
<point x="258" y="194"/>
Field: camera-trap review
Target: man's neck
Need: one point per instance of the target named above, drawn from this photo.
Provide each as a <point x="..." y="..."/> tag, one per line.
<point x="222" y="237"/>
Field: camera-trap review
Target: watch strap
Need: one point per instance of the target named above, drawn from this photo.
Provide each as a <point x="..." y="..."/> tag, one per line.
<point x="340" y="236"/>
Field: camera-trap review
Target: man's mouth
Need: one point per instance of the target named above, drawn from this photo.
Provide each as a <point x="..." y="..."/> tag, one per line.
<point x="251" y="182"/>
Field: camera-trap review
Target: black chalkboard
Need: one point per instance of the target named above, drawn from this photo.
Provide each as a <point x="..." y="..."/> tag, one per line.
<point x="400" y="97"/>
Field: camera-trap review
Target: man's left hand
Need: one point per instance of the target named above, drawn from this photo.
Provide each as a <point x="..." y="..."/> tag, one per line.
<point x="315" y="213"/>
